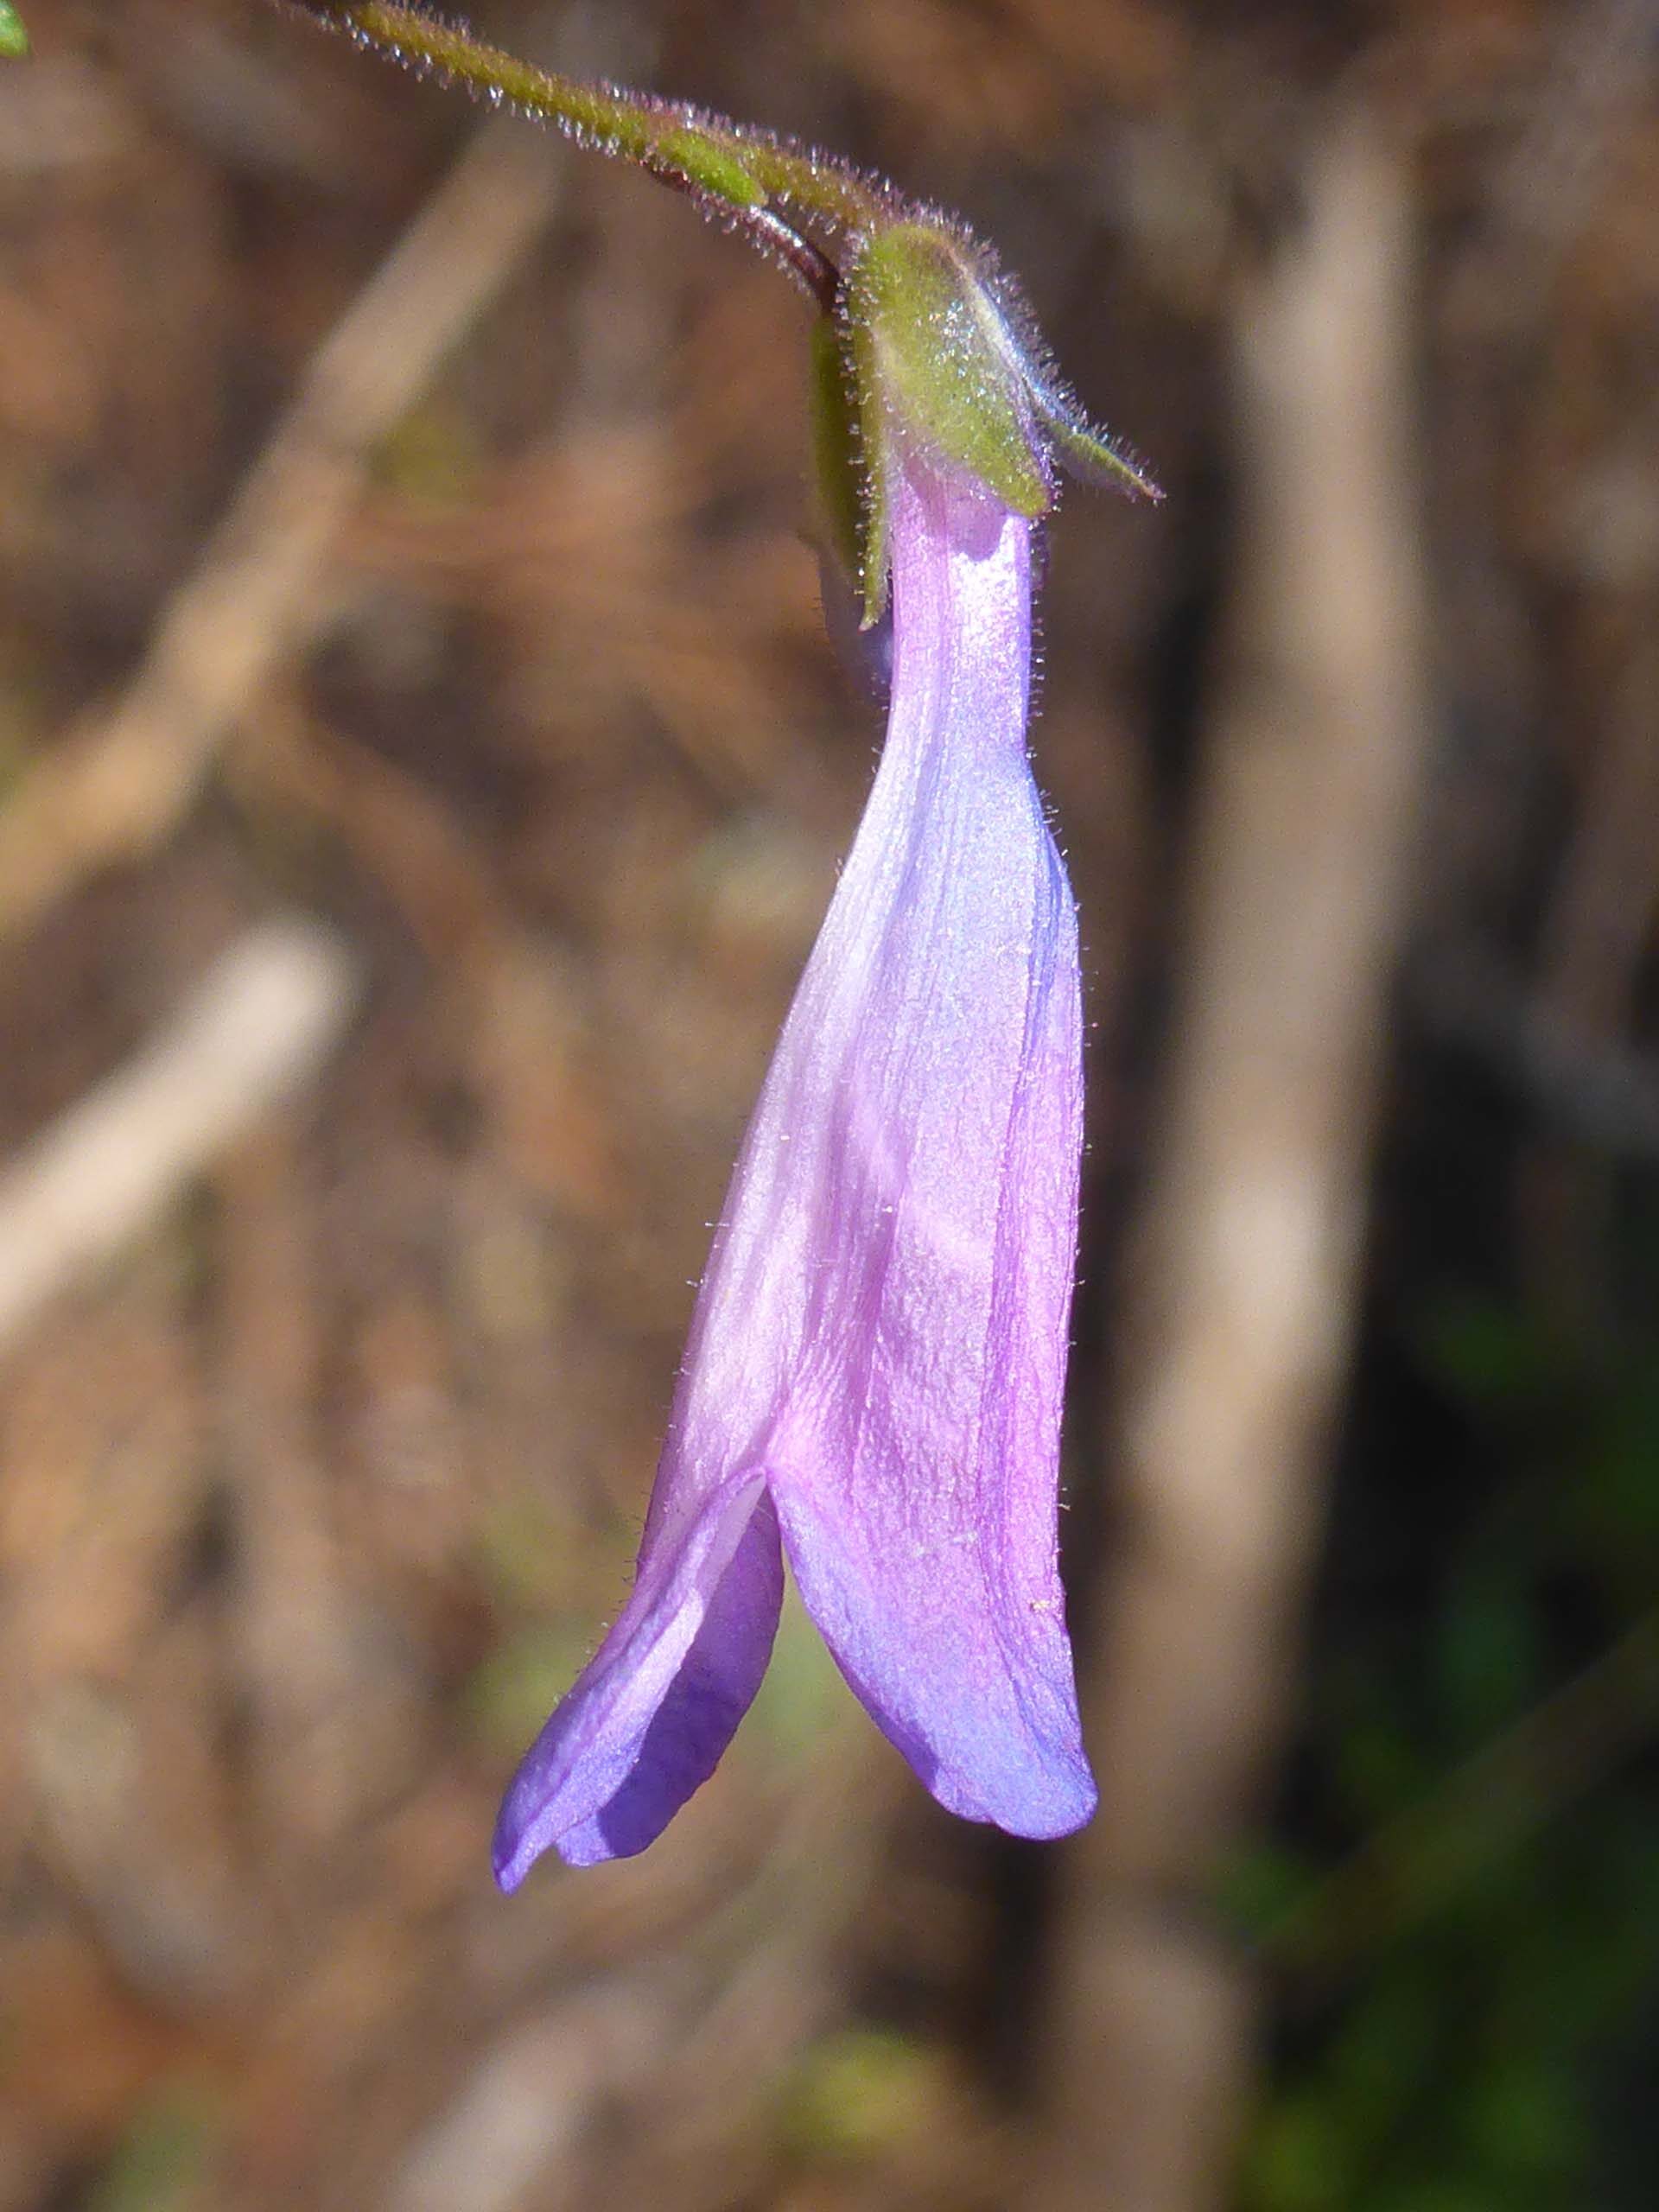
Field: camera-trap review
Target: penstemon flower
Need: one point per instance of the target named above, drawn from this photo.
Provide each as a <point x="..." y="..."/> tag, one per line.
<point x="873" y="1385"/>
<point x="875" y="1367"/>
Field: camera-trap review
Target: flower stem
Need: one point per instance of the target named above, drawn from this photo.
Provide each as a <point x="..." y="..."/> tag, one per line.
<point x="732" y="171"/>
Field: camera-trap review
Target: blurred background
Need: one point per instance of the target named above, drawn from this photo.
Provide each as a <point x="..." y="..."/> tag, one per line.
<point x="421" y="774"/>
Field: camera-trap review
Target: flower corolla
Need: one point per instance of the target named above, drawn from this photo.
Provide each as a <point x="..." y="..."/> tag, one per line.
<point x="873" y="1380"/>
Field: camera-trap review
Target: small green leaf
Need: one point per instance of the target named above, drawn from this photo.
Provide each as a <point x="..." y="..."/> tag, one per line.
<point x="14" y="39"/>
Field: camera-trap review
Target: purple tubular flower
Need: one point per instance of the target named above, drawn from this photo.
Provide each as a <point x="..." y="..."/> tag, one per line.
<point x="873" y="1380"/>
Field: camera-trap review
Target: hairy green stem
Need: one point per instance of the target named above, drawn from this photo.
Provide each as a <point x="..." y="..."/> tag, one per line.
<point x="737" y="170"/>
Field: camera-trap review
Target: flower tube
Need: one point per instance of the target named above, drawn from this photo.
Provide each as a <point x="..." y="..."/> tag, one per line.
<point x="874" y="1373"/>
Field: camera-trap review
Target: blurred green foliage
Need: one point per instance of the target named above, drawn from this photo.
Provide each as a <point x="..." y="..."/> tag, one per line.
<point x="802" y="1695"/>
<point x="14" y="39"/>
<point x="510" y="1695"/>
<point x="856" y="2093"/>
<point x="163" y="2163"/>
<point x="1467" y="1966"/>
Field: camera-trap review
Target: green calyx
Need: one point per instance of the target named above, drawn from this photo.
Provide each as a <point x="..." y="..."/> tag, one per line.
<point x="930" y="361"/>
<point x="14" y="38"/>
<point x="943" y="362"/>
<point x="839" y="450"/>
<point x="929" y="351"/>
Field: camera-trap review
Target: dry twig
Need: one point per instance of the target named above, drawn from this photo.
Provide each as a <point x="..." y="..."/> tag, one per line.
<point x="247" y="1037"/>
<point x="118" y="783"/>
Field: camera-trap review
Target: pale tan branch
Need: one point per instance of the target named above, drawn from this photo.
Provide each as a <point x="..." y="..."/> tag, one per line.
<point x="1241" y="1311"/>
<point x="255" y="1026"/>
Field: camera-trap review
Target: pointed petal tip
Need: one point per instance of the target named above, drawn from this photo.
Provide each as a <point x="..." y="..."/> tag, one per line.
<point x="508" y="1874"/>
<point x="514" y="1854"/>
<point x="645" y="1722"/>
<point x="526" y="1830"/>
<point x="516" y="1845"/>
